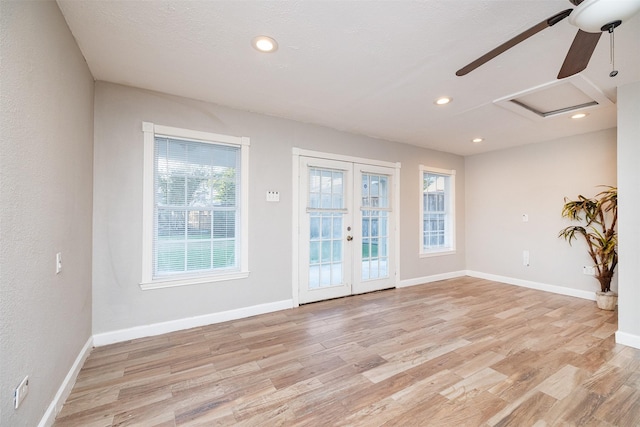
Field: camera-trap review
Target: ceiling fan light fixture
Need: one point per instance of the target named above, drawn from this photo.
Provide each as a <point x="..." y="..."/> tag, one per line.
<point x="443" y="100"/>
<point x="592" y="15"/>
<point x="264" y="44"/>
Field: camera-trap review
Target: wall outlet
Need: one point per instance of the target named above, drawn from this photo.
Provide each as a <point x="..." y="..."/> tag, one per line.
<point x="21" y="392"/>
<point x="589" y="270"/>
<point x="58" y="262"/>
<point x="525" y="258"/>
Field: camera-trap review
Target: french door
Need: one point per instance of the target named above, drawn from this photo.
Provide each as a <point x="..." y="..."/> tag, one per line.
<point x="346" y="228"/>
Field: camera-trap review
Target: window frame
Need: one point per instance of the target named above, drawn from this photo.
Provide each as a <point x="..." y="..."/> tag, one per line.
<point x="150" y="130"/>
<point x="450" y="215"/>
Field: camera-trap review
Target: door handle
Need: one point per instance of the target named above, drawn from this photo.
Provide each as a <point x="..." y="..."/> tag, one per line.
<point x="349" y="238"/>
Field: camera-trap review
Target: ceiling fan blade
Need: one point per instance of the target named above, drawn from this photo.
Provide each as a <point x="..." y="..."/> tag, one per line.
<point x="579" y="53"/>
<point x="514" y="41"/>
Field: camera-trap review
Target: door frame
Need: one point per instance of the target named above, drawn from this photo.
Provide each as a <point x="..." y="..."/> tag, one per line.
<point x="295" y="223"/>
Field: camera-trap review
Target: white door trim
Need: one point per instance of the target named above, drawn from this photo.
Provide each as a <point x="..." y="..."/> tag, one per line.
<point x="295" y="223"/>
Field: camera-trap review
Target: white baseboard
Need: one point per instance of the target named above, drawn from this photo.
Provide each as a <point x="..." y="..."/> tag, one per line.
<point x="428" y="279"/>
<point x="590" y="295"/>
<point x="121" y="335"/>
<point x="65" y="388"/>
<point x="502" y="279"/>
<point x="628" y="339"/>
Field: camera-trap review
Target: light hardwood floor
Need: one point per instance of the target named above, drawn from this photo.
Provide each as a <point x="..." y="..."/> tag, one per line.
<point x="460" y="352"/>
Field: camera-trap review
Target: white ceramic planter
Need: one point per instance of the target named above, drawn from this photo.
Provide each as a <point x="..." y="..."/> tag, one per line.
<point x="606" y="300"/>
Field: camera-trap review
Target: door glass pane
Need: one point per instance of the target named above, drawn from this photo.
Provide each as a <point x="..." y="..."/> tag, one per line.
<point x="375" y="226"/>
<point x="314" y="225"/>
<point x="314" y="252"/>
<point x="314" y="277"/>
<point x="336" y="231"/>
<point x="336" y="253"/>
<point x="314" y="200"/>
<point x="336" y="273"/>
<point x="326" y="227"/>
<point x="326" y="249"/>
<point x="365" y="190"/>
<point x="314" y="181"/>
<point x="326" y="237"/>
<point x="314" y="188"/>
<point x="375" y="191"/>
<point x="337" y="184"/>
<point x="325" y="258"/>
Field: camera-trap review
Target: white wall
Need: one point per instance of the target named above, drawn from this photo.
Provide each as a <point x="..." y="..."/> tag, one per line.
<point x="503" y="185"/>
<point x="629" y="214"/>
<point x="118" y="301"/>
<point x="45" y="205"/>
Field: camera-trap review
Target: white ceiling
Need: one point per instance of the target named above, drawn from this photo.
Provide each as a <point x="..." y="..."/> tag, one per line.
<point x="367" y="67"/>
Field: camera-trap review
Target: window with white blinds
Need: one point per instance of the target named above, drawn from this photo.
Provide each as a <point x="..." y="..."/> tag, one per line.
<point x="437" y="224"/>
<point x="196" y="214"/>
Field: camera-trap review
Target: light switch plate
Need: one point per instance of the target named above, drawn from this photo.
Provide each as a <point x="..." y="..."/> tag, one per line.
<point x="273" y="196"/>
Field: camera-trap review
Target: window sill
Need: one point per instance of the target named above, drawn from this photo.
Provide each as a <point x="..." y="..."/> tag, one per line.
<point x="172" y="283"/>
<point x="437" y="253"/>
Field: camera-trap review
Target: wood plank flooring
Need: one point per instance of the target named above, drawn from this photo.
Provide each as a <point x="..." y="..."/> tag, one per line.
<point x="460" y="352"/>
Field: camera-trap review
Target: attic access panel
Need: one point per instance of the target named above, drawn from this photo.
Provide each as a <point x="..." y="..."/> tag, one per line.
<point x="559" y="97"/>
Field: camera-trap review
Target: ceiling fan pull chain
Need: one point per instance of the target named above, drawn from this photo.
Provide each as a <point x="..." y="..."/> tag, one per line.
<point x="612" y="49"/>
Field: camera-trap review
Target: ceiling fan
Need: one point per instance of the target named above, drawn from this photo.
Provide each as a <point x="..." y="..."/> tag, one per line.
<point x="592" y="17"/>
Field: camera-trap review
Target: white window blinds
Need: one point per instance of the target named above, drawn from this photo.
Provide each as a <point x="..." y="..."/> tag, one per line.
<point x="196" y="207"/>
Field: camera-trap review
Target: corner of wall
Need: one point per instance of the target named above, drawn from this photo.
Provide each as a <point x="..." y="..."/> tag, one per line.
<point x="67" y="385"/>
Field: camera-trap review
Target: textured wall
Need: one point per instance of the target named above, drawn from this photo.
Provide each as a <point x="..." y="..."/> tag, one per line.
<point x="45" y="205"/>
<point x="629" y="225"/>
<point x="118" y="301"/>
<point x="533" y="180"/>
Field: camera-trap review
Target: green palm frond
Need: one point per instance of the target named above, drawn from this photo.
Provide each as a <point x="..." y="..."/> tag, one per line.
<point x="599" y="216"/>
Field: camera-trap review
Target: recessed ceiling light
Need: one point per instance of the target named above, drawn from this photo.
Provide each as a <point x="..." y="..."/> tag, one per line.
<point x="443" y="100"/>
<point x="264" y="44"/>
<point x="477" y="140"/>
<point x="579" y="115"/>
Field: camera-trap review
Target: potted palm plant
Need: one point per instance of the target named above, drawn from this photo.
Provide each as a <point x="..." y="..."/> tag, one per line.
<point x="598" y="217"/>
